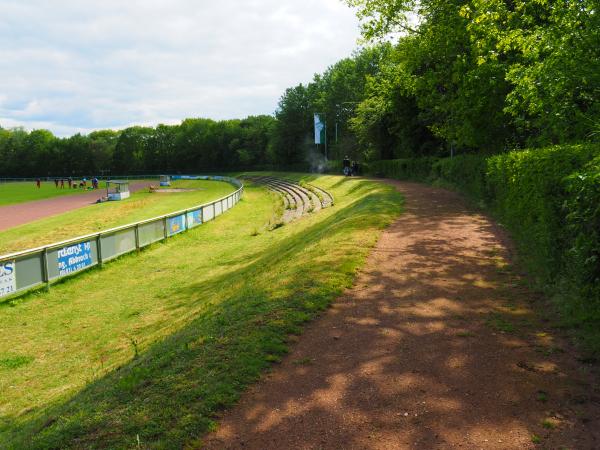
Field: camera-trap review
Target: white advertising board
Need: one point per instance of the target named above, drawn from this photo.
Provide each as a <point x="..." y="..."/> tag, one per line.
<point x="8" y="278"/>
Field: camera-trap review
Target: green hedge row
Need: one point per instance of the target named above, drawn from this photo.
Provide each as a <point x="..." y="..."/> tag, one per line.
<point x="549" y="199"/>
<point x="405" y="169"/>
<point x="582" y="209"/>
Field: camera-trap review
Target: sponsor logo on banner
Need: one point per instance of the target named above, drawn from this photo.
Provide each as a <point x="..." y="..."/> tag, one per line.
<point x="176" y="224"/>
<point x="8" y="278"/>
<point x="74" y="258"/>
<point x="194" y="218"/>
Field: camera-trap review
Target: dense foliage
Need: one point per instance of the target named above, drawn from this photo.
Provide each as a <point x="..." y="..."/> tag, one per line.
<point x="461" y="76"/>
<point x="485" y="75"/>
<point x="194" y="145"/>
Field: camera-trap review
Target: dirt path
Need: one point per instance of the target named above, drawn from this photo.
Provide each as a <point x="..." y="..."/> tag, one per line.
<point x="22" y="213"/>
<point x="433" y="348"/>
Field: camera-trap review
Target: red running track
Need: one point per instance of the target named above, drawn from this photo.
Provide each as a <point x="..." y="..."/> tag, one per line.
<point x="22" y="213"/>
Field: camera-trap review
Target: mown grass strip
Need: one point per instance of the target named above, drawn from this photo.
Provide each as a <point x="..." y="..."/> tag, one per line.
<point x="153" y="347"/>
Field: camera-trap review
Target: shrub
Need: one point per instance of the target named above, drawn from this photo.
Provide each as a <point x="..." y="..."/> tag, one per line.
<point x="465" y="172"/>
<point x="582" y="209"/>
<point x="527" y="190"/>
<point x="404" y="169"/>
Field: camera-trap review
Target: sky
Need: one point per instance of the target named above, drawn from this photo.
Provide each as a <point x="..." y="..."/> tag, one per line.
<point x="78" y="65"/>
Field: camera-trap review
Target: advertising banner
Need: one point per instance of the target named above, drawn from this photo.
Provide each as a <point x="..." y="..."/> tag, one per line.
<point x="176" y="224"/>
<point x="74" y="258"/>
<point x="189" y="177"/>
<point x="194" y="218"/>
<point x="8" y="278"/>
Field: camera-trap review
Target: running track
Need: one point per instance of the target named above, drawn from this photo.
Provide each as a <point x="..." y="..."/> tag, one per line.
<point x="14" y="215"/>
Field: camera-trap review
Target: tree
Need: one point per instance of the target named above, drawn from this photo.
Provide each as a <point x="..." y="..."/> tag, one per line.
<point x="130" y="150"/>
<point x="292" y="133"/>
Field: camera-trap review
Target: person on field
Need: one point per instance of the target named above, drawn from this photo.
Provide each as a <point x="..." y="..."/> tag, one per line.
<point x="70" y="181"/>
<point x="346" y="165"/>
<point x="62" y="183"/>
<point x="56" y="182"/>
<point x="38" y="182"/>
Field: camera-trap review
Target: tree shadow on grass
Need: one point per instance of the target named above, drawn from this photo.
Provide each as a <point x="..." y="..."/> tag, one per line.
<point x="170" y="393"/>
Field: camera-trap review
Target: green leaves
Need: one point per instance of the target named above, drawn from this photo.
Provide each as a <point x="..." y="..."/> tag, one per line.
<point x="493" y="74"/>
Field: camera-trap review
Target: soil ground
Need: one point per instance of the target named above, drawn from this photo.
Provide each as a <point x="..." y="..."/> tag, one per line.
<point x="22" y="213"/>
<point x="439" y="344"/>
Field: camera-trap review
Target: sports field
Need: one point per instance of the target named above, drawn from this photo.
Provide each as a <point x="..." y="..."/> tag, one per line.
<point x="96" y="217"/>
<point x="151" y="346"/>
<point x="20" y="192"/>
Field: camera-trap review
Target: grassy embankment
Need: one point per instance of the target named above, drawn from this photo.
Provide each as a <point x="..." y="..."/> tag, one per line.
<point x="153" y="345"/>
<point x="21" y="192"/>
<point x="92" y="218"/>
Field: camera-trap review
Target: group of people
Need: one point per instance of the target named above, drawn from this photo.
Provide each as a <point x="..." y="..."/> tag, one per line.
<point x="60" y="183"/>
<point x="350" y="167"/>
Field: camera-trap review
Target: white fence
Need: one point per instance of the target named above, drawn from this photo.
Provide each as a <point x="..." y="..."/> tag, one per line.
<point x="29" y="269"/>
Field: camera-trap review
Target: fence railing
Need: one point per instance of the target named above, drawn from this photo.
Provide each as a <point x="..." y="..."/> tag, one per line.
<point x="33" y="268"/>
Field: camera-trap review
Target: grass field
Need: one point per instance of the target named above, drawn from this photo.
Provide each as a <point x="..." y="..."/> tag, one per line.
<point x="145" y="351"/>
<point x="89" y="219"/>
<point x="21" y="192"/>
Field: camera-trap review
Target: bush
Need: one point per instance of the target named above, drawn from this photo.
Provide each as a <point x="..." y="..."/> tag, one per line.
<point x="582" y="209"/>
<point x="419" y="169"/>
<point x="527" y="190"/>
<point x="465" y="172"/>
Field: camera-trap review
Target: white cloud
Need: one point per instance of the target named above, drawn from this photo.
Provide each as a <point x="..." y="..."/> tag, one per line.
<point x="74" y="66"/>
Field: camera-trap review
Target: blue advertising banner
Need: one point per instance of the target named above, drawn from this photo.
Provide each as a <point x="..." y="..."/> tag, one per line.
<point x="190" y="177"/>
<point x="176" y="224"/>
<point x="74" y="258"/>
<point x="194" y="218"/>
<point x="8" y="278"/>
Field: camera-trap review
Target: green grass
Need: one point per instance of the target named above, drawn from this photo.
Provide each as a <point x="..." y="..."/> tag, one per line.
<point x="14" y="362"/>
<point x="499" y="322"/>
<point x="542" y="396"/>
<point x="21" y="192"/>
<point x="97" y="217"/>
<point x="154" y="345"/>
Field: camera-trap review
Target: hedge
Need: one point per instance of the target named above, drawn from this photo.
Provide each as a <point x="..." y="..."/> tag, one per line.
<point x="582" y="209"/>
<point x="465" y="172"/>
<point x="528" y="191"/>
<point x="407" y="169"/>
<point x="549" y="199"/>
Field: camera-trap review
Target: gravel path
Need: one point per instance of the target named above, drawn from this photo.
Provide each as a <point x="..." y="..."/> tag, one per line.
<point x="22" y="213"/>
<point x="435" y="347"/>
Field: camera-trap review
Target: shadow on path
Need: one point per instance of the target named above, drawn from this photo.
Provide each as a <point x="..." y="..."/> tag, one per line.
<point x="436" y="346"/>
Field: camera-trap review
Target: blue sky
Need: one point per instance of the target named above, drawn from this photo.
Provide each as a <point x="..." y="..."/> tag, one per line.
<point x="76" y="66"/>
